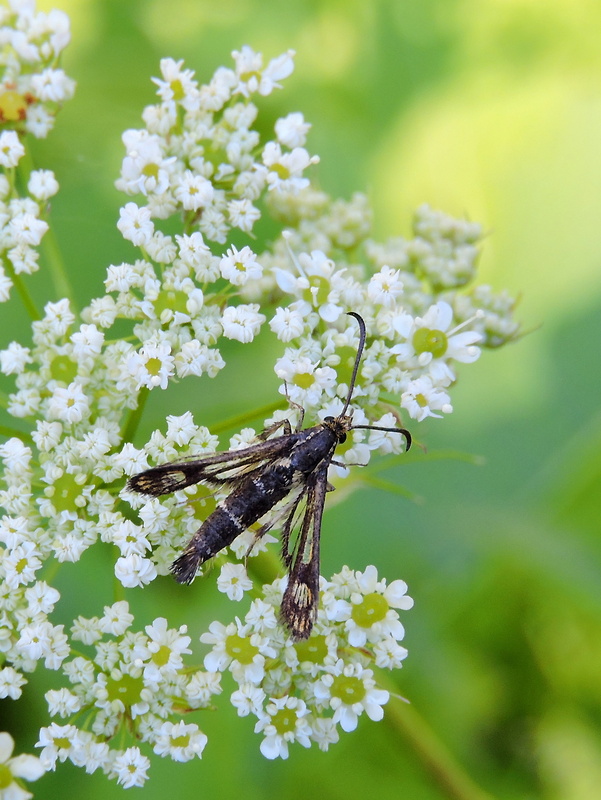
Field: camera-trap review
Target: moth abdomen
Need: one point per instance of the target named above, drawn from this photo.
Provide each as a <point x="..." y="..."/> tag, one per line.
<point x="218" y="531"/>
<point x="256" y="495"/>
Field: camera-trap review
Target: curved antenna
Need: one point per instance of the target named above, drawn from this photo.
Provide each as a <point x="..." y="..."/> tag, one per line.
<point x="357" y="359"/>
<point x="404" y="431"/>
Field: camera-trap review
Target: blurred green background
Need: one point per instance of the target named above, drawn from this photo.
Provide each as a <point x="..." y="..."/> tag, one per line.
<point x="490" y="109"/>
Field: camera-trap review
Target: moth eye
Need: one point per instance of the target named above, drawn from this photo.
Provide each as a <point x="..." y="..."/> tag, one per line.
<point x="342" y="438"/>
<point x="328" y="419"/>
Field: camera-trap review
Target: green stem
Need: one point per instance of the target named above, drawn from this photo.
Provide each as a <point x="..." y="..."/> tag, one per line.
<point x="133" y="420"/>
<point x="438" y="762"/>
<point x="26" y="298"/>
<point x="56" y="266"/>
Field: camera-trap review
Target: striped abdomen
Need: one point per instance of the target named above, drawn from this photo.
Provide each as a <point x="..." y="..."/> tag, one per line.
<point x="256" y="494"/>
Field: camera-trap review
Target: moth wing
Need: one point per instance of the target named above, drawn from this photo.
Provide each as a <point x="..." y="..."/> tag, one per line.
<point x="216" y="470"/>
<point x="301" y="597"/>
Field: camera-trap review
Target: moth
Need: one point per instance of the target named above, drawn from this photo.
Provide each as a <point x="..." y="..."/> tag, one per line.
<point x="283" y="479"/>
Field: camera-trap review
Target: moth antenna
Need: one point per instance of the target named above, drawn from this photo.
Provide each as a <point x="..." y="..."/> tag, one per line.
<point x="404" y="431"/>
<point x="357" y="359"/>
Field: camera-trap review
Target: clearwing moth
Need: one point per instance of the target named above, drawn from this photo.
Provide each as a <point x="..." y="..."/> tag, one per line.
<point x="286" y="475"/>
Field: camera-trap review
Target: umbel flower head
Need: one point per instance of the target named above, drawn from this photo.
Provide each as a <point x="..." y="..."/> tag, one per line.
<point x="197" y="177"/>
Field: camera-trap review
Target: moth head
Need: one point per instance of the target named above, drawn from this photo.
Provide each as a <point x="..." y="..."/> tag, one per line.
<point x="340" y="426"/>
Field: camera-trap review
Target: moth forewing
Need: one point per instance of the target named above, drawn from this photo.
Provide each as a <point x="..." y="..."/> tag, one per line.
<point x="301" y="596"/>
<point x="281" y="481"/>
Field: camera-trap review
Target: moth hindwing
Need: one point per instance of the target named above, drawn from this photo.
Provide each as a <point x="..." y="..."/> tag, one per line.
<point x="281" y="481"/>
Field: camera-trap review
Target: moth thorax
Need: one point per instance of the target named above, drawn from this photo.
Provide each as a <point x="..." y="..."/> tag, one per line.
<point x="339" y="426"/>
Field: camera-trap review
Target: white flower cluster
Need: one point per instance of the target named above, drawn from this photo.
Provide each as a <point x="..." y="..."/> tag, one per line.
<point x="304" y="691"/>
<point x="32" y="87"/>
<point x="200" y="155"/>
<point x="135" y="682"/>
<point x="32" y="90"/>
<point x="80" y="385"/>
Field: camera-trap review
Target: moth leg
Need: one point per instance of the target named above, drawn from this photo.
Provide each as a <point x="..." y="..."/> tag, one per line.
<point x="283" y="423"/>
<point x="257" y="536"/>
<point x="301" y="410"/>
<point x="347" y="464"/>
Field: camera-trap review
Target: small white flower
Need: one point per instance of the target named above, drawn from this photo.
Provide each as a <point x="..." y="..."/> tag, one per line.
<point x="41" y="598"/>
<point x="130" y="459"/>
<point x="27" y="229"/>
<point x="58" y="317"/>
<point x="240" y="266"/>
<point x="152" y="365"/>
<point x="163" y="652"/>
<point x="86" y="630"/>
<point x="135" y="224"/>
<point x="242" y="214"/>
<point x="177" y="84"/>
<point x="57" y="743"/>
<point x="285" y="720"/>
<point x="233" y="581"/>
<point x="87" y="341"/>
<point x="179" y="741"/>
<point x="21" y="564"/>
<point x="292" y="130"/>
<point x="248" y="699"/>
<point x="69" y="404"/>
<point x="194" y="191"/>
<point x="289" y="323"/>
<point x="349" y="690"/>
<point x="42" y="184"/>
<point x="144" y="168"/>
<point x="236" y="648"/>
<point x="305" y="381"/>
<point x="422" y="399"/>
<point x="11" y="682"/>
<point x="385" y="287"/>
<point x="389" y="654"/>
<point x="47" y="435"/>
<point x="14" y="359"/>
<point x="129" y="538"/>
<point x="181" y="429"/>
<point x="252" y="77"/>
<point x="284" y="170"/>
<point x="324" y="732"/>
<point x="11" y="149"/>
<point x="53" y="85"/>
<point x="62" y="702"/>
<point x="201" y="687"/>
<point x="428" y="338"/>
<point x="25" y="767"/>
<point x="134" y="570"/>
<point x="130" y="768"/>
<point x="16" y="455"/>
<point x="116" y="618"/>
<point x="242" y="322"/>
<point x="5" y="286"/>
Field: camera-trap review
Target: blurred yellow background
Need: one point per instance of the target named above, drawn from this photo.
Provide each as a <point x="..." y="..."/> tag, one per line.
<point x="486" y="109"/>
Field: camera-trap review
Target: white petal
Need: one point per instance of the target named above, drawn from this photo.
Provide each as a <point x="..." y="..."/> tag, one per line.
<point x="6" y="747"/>
<point x="28" y="767"/>
<point x="347" y="719"/>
